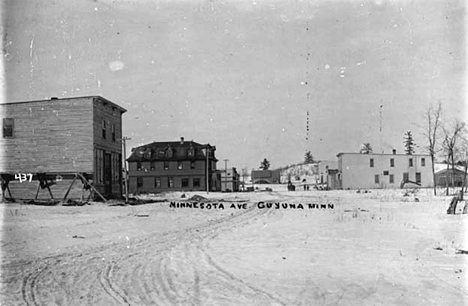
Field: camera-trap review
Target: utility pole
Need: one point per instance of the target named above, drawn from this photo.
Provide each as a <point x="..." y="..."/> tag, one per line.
<point x="225" y="175"/>
<point x="380" y="134"/>
<point x="207" y="149"/>
<point x="124" y="139"/>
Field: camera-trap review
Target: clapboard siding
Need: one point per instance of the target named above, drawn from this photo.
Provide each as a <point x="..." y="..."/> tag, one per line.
<point x="112" y="115"/>
<point x="61" y="136"/>
<point x="49" y="136"/>
<point x="27" y="190"/>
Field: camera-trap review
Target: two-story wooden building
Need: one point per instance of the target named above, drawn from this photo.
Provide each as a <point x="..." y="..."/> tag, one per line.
<point x="356" y="170"/>
<point x="50" y="141"/>
<point x="172" y="166"/>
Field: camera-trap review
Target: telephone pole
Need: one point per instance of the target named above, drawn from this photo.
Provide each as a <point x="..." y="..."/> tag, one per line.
<point x="207" y="153"/>
<point x="124" y="139"/>
<point x="225" y="175"/>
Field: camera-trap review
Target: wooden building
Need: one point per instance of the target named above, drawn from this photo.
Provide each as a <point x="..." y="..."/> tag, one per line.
<point x="172" y="166"/>
<point x="265" y="176"/>
<point x="229" y="180"/>
<point x="52" y="141"/>
<point x="370" y="171"/>
<point x="450" y="177"/>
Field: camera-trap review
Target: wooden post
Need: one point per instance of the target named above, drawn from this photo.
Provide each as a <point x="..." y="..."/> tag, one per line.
<point x="92" y="187"/>
<point x="69" y="188"/>
<point x="50" y="192"/>
<point x="38" y="188"/>
<point x="124" y="139"/>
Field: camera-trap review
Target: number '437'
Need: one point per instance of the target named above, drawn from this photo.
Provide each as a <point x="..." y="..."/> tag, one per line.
<point x="22" y="177"/>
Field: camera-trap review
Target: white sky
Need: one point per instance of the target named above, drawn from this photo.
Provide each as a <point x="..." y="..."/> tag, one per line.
<point x="241" y="75"/>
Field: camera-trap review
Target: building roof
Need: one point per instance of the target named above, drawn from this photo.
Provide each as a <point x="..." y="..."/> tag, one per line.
<point x="455" y="171"/>
<point x="55" y="99"/>
<point x="381" y="154"/>
<point x="156" y="151"/>
<point x="263" y="173"/>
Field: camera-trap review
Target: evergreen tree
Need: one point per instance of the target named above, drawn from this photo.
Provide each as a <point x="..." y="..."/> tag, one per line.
<point x="265" y="164"/>
<point x="409" y="143"/>
<point x="308" y="158"/>
<point x="366" y="148"/>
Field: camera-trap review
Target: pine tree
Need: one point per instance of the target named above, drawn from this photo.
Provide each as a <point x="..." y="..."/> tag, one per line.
<point x="409" y="143"/>
<point x="308" y="158"/>
<point x="366" y="148"/>
<point x="265" y="164"/>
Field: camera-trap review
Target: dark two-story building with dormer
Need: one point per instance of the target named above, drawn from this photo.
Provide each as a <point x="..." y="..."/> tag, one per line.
<point x="172" y="166"/>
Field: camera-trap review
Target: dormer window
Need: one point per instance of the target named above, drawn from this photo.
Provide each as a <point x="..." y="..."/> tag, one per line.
<point x="191" y="152"/>
<point x="169" y="153"/>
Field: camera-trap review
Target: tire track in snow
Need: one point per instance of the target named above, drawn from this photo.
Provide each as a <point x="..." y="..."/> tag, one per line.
<point x="129" y="276"/>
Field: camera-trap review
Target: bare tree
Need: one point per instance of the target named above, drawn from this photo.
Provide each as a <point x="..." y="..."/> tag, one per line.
<point x="431" y="132"/>
<point x="451" y="136"/>
<point x="463" y="161"/>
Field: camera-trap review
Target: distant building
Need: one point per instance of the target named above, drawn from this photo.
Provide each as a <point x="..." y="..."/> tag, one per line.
<point x="171" y="166"/>
<point x="332" y="176"/>
<point x="55" y="139"/>
<point x="265" y="176"/>
<point x="322" y="168"/>
<point x="444" y="177"/>
<point x="229" y="180"/>
<point x="384" y="170"/>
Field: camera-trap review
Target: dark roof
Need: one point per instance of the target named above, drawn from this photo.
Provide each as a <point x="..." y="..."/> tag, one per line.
<point x="450" y="170"/>
<point x="264" y="173"/>
<point x="156" y="151"/>
<point x="123" y="110"/>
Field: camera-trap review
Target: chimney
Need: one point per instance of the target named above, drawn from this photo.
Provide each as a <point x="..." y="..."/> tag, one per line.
<point x="181" y="140"/>
<point x="394" y="151"/>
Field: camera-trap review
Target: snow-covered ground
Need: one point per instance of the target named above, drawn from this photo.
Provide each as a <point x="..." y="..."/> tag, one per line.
<point x="377" y="248"/>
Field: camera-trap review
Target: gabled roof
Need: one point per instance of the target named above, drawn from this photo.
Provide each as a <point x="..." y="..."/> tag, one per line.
<point x="156" y="151"/>
<point x="455" y="171"/>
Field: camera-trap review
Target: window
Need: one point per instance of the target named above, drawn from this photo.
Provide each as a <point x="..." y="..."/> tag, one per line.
<point x="138" y="165"/>
<point x="410" y="161"/>
<point x="405" y="177"/>
<point x="8" y="124"/>
<point x="170" y="182"/>
<point x="191" y="152"/>
<point x="104" y="129"/>
<point x="371" y="162"/>
<point x="185" y="182"/>
<point x="377" y="179"/>
<point x="166" y="165"/>
<point x="192" y="165"/>
<point x="418" y="177"/>
<point x="391" y="179"/>
<point x="157" y="182"/>
<point x="179" y="165"/>
<point x="99" y="166"/>
<point x="113" y="132"/>
<point x="139" y="182"/>
<point x="152" y="166"/>
<point x="392" y="162"/>
<point x="196" y="182"/>
<point x="385" y="173"/>
<point x="169" y="152"/>
<point x="423" y="162"/>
